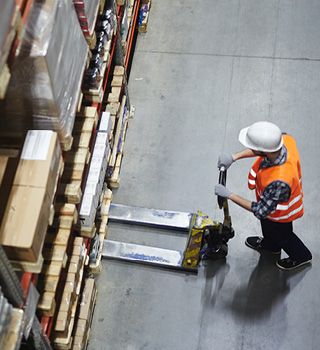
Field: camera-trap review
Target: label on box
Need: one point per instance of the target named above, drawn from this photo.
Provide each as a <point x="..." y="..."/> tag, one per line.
<point x="102" y="138"/>
<point x="91" y="188"/>
<point x="86" y="205"/>
<point x="105" y="121"/>
<point x="36" y="145"/>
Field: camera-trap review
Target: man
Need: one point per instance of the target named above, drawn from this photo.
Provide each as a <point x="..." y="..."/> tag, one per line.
<point x="276" y="178"/>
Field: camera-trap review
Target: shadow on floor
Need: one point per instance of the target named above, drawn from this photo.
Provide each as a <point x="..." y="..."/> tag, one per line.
<point x="266" y="289"/>
<point x="214" y="271"/>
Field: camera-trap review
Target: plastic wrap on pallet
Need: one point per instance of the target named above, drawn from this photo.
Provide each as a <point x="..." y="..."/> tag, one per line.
<point x="5" y="318"/>
<point x="6" y="35"/>
<point x="47" y="73"/>
<point x="87" y="13"/>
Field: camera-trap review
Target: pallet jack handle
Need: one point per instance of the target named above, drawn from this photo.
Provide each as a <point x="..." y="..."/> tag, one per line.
<point x="223" y="202"/>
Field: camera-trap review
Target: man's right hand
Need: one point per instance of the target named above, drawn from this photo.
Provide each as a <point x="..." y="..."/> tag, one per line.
<point x="225" y="161"/>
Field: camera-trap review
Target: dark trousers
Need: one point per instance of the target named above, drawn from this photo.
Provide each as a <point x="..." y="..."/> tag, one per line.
<point x="278" y="235"/>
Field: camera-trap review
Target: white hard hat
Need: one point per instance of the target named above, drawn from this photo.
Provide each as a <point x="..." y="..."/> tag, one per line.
<point x="262" y="136"/>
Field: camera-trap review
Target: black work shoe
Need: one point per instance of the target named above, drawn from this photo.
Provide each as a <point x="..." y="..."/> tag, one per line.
<point x="255" y="243"/>
<point x="289" y="264"/>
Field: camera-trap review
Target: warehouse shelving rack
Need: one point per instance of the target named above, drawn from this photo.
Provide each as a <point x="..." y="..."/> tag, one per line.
<point x="22" y="285"/>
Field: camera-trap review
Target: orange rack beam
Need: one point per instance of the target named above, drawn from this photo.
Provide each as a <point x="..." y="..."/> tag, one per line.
<point x="131" y="33"/>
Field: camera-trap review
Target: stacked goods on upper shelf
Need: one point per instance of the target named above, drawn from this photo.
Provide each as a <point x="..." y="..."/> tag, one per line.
<point x="44" y="88"/>
<point x="143" y="17"/>
<point x="87" y="11"/>
<point x="94" y="75"/>
<point x="125" y="24"/>
<point x="27" y="208"/>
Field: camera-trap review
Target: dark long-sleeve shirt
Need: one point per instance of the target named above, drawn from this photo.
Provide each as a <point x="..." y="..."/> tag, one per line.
<point x="275" y="193"/>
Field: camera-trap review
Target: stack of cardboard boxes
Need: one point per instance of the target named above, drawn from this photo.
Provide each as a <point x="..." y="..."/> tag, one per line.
<point x="27" y="210"/>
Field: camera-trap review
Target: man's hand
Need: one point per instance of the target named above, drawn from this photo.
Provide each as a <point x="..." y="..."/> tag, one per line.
<point x="225" y="160"/>
<point x="222" y="191"/>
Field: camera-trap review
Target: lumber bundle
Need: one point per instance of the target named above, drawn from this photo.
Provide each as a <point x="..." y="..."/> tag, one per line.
<point x="66" y="313"/>
<point x="84" y="319"/>
<point x="55" y="256"/>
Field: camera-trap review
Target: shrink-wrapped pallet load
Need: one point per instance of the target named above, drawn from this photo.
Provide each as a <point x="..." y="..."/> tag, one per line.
<point x="47" y="73"/>
<point x="8" y="15"/>
<point x="87" y="11"/>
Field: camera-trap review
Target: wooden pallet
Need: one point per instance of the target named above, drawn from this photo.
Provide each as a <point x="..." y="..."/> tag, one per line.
<point x="118" y="150"/>
<point x="84" y="321"/>
<point x="102" y="229"/>
<point x="28" y="266"/>
<point x="67" y="310"/>
<point x="55" y="256"/>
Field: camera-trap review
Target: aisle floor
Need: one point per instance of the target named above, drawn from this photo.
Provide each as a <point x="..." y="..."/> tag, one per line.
<point x="204" y="70"/>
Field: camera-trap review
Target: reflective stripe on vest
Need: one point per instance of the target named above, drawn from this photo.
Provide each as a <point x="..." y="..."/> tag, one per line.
<point x="288" y="216"/>
<point x="253" y="174"/>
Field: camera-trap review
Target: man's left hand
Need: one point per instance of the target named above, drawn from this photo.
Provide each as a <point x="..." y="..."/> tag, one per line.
<point x="222" y="191"/>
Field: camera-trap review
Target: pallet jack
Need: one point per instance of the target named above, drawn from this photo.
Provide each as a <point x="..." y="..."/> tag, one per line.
<point x="207" y="239"/>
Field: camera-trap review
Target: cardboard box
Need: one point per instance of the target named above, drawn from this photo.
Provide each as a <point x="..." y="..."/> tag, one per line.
<point x="25" y="223"/>
<point x="26" y="216"/>
<point x="8" y="168"/>
<point x="39" y="161"/>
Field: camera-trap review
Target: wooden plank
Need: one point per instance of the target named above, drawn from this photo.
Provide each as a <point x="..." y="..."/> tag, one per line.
<point x="53" y="268"/>
<point x="4" y="81"/>
<point x="49" y="283"/>
<point x="117" y="80"/>
<point x="46" y="301"/>
<point x="118" y="70"/>
<point x="88" y="112"/>
<point x="65" y="209"/>
<point x="74" y="173"/>
<point x="82" y="141"/>
<point x="28" y="266"/>
<point x="83" y="125"/>
<point x="54" y="253"/>
<point x="72" y="191"/>
<point x="113" y="107"/>
<point x="79" y="156"/>
<point x="118" y="132"/>
<point x="88" y="232"/>
<point x="114" y="95"/>
<point x="62" y="222"/>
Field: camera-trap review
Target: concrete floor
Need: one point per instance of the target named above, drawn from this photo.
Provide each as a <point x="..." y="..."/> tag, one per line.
<point x="204" y="70"/>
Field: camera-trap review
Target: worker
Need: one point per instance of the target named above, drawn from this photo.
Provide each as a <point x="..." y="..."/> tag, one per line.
<point x="276" y="178"/>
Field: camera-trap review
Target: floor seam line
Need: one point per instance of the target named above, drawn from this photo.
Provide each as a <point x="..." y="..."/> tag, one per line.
<point x="231" y="56"/>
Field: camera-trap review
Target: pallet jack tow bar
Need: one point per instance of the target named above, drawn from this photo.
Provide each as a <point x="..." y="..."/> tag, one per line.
<point x="204" y="234"/>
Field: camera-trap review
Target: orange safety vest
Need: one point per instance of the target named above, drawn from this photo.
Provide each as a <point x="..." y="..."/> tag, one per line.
<point x="288" y="172"/>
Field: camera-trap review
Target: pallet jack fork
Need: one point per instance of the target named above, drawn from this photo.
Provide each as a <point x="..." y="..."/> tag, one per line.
<point x="203" y="233"/>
